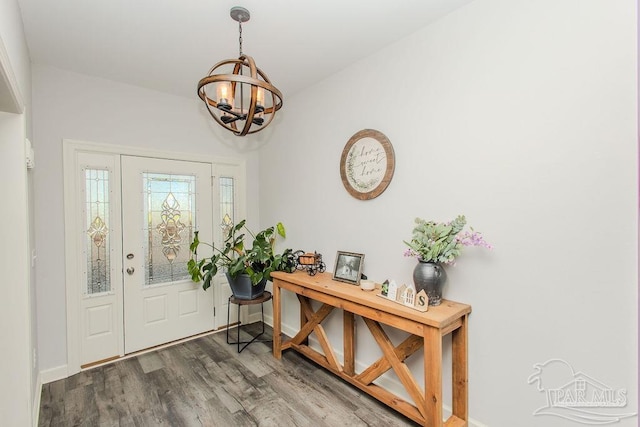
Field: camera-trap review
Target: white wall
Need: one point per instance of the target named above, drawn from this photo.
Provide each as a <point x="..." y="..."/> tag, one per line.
<point x="18" y="374"/>
<point x="74" y="106"/>
<point x="521" y="115"/>
<point x="16" y="392"/>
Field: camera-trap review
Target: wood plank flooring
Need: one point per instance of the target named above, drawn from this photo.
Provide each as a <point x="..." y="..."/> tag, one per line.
<point x="205" y="382"/>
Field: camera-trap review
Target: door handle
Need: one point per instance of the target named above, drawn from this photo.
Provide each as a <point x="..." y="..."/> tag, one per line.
<point x="130" y="270"/>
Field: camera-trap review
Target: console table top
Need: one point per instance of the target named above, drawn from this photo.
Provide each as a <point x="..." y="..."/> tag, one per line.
<point x="437" y="316"/>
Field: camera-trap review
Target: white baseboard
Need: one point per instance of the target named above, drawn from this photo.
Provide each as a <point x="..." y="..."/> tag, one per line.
<point x="288" y="330"/>
<point x="257" y="317"/>
<point x="35" y="408"/>
<point x="53" y="374"/>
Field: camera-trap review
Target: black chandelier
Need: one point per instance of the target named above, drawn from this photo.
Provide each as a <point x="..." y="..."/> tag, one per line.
<point x="245" y="101"/>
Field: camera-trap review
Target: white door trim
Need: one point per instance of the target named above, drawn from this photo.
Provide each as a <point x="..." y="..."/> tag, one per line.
<point x="71" y="192"/>
<point x="11" y="100"/>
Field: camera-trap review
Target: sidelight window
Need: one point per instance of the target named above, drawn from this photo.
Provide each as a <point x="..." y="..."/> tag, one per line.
<point x="96" y="230"/>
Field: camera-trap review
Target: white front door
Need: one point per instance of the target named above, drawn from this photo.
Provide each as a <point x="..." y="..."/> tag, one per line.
<point x="163" y="203"/>
<point x="128" y="211"/>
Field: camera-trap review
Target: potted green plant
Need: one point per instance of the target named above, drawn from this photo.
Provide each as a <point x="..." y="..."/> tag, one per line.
<point x="247" y="268"/>
<point x="434" y="244"/>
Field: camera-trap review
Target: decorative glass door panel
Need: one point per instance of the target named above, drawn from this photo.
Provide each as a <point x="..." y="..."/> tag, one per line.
<point x="163" y="203"/>
<point x="169" y="210"/>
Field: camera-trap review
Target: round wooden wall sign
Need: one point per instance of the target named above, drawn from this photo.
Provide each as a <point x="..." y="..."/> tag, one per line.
<point x="367" y="164"/>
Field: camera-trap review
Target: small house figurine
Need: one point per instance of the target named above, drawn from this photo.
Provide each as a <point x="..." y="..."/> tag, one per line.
<point x="421" y="300"/>
<point x="400" y="293"/>
<point x="392" y="291"/>
<point x="405" y="295"/>
<point x="409" y="297"/>
<point x="385" y="288"/>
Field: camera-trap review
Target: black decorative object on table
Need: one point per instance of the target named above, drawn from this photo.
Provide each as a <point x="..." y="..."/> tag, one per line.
<point x="431" y="277"/>
<point x="311" y="262"/>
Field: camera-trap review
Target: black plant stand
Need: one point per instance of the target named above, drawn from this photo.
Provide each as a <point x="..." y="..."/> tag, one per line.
<point x="266" y="296"/>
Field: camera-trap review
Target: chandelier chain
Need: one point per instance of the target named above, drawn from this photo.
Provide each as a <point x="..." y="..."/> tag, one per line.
<point x="240" y="37"/>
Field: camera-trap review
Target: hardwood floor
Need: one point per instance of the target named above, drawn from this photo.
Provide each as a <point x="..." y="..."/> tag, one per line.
<point x="205" y="382"/>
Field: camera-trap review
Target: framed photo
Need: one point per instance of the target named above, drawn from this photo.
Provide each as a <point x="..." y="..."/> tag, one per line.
<point x="348" y="267"/>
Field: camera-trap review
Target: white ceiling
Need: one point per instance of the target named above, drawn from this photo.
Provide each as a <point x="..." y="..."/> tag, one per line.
<point x="168" y="45"/>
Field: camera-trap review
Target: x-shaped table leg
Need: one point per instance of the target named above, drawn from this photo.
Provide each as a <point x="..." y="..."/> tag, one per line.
<point x="394" y="358"/>
<point x="313" y="325"/>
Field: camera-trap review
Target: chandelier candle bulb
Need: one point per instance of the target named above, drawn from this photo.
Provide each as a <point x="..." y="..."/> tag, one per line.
<point x="260" y="97"/>
<point x="223" y="93"/>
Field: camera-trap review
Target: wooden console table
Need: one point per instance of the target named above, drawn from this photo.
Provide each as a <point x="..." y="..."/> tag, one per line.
<point x="426" y="329"/>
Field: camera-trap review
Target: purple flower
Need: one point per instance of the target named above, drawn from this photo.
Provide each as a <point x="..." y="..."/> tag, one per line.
<point x="473" y="238"/>
<point x="410" y="253"/>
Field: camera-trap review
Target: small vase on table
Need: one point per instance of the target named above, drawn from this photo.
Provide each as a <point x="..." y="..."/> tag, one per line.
<point x="431" y="277"/>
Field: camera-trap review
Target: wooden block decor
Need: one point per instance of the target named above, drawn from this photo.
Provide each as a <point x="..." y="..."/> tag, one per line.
<point x="422" y="301"/>
<point x="400" y="293"/>
<point x="392" y="292"/>
<point x="407" y="296"/>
